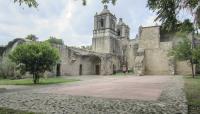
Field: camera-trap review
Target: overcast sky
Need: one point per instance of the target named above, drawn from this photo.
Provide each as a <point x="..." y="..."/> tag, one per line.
<point x="66" y="19"/>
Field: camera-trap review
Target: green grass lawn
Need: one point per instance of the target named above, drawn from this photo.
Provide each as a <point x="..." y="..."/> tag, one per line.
<point x="192" y="89"/>
<point x="42" y="81"/>
<point x="11" y="111"/>
<point x="123" y="74"/>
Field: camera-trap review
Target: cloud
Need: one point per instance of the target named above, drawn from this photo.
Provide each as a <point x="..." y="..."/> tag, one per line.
<point x="66" y="19"/>
<point x="150" y="21"/>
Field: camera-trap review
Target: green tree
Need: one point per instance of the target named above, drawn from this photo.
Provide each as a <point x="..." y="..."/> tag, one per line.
<point x="35" y="58"/>
<point x="186" y="26"/>
<point x="7" y="68"/>
<point x="31" y="37"/>
<point x="54" y="40"/>
<point x="167" y="11"/>
<point x="196" y="54"/>
<point x="183" y="51"/>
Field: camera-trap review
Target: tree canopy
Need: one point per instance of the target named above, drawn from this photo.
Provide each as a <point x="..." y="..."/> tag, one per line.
<point x="35" y="58"/>
<point x="34" y="3"/>
<point x="54" y="40"/>
<point x="186" y="26"/>
<point x="183" y="52"/>
<point x="168" y="10"/>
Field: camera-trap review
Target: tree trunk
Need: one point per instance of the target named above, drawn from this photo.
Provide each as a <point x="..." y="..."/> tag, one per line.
<point x="34" y="78"/>
<point x="193" y="74"/>
<point x="37" y="78"/>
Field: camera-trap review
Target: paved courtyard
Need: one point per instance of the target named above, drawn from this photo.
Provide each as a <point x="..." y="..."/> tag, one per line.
<point x="129" y="87"/>
<point x="102" y="95"/>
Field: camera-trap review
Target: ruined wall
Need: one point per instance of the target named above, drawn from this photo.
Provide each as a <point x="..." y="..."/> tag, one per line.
<point x="156" y="52"/>
<point x="132" y="48"/>
<point x="72" y="59"/>
<point x="149" y="38"/>
<point x="156" y="62"/>
<point x="109" y="64"/>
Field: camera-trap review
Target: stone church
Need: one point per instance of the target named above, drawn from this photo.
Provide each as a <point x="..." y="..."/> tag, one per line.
<point x="113" y="50"/>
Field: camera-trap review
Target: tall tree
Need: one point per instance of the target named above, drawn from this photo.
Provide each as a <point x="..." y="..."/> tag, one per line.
<point x="186" y="26"/>
<point x="35" y="58"/>
<point x="184" y="52"/>
<point x="167" y="11"/>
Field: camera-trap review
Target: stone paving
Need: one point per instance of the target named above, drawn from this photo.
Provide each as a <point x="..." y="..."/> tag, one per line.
<point x="129" y="87"/>
<point x="52" y="100"/>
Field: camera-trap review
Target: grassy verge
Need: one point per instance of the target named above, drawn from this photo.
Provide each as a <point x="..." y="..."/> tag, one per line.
<point x="42" y="81"/>
<point x="192" y="89"/>
<point x="123" y="74"/>
<point x="11" y="111"/>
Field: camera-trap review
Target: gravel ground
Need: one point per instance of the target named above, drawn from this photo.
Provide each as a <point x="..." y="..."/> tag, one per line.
<point x="171" y="101"/>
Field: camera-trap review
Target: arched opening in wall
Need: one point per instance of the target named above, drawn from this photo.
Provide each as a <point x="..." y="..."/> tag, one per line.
<point x="80" y="69"/>
<point x="118" y="32"/>
<point x="96" y="61"/>
<point x="114" y="69"/>
<point x="102" y="22"/>
<point x="97" y="69"/>
<point x="58" y="72"/>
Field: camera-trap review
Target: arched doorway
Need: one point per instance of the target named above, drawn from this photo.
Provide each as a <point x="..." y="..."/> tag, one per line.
<point x="96" y="61"/>
<point x="97" y="69"/>
<point x="58" y="72"/>
<point x="80" y="69"/>
<point x="114" y="69"/>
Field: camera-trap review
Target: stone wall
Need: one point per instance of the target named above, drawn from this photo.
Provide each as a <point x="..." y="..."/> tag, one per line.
<point x="109" y="64"/>
<point x="157" y="46"/>
<point x="149" y="37"/>
<point x="156" y="62"/>
<point x="73" y="58"/>
<point x="131" y="54"/>
<point x="71" y="61"/>
<point x="106" y="45"/>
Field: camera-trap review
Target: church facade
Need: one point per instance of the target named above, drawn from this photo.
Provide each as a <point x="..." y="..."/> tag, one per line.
<point x="113" y="49"/>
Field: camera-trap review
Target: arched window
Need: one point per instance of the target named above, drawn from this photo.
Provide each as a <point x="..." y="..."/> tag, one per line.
<point x="102" y="22"/>
<point x="118" y="32"/>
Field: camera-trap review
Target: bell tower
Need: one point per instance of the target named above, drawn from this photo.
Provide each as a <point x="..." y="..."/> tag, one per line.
<point x="104" y="31"/>
<point x="122" y="30"/>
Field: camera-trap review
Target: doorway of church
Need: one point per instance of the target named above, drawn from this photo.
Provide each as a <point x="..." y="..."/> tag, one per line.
<point x="58" y="73"/>
<point x="114" y="69"/>
<point x="97" y="70"/>
<point x="80" y="69"/>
